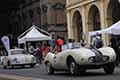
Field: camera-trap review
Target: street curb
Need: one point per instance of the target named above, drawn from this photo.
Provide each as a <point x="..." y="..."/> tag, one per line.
<point x="13" y="77"/>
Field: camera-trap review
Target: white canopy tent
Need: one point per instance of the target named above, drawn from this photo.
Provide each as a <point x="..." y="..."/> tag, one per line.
<point x="34" y="34"/>
<point x="114" y="30"/>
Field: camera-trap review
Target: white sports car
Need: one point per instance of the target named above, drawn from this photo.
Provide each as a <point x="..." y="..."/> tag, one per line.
<point x="18" y="57"/>
<point x="78" y="60"/>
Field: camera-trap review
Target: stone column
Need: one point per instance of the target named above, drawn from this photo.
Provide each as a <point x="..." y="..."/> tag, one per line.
<point x="69" y="25"/>
<point x="84" y="25"/>
<point x="103" y="22"/>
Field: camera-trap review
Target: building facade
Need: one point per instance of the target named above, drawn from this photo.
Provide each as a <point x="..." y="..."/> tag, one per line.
<point x="47" y="14"/>
<point x="84" y="16"/>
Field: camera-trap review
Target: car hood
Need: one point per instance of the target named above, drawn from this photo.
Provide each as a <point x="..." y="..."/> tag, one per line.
<point x="83" y="52"/>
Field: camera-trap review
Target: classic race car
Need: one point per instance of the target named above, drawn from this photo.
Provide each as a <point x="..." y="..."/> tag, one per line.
<point x="78" y="60"/>
<point x="18" y="57"/>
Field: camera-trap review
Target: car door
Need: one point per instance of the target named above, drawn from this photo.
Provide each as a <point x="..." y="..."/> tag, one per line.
<point x="58" y="59"/>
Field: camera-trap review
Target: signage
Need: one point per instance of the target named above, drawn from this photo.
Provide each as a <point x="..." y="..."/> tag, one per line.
<point x="6" y="42"/>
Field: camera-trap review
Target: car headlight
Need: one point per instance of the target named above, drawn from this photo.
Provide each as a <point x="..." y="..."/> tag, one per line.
<point x="91" y="59"/>
<point x="105" y="58"/>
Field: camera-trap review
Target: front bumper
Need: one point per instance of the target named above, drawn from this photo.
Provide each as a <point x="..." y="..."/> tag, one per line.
<point x="94" y="65"/>
<point x="23" y="64"/>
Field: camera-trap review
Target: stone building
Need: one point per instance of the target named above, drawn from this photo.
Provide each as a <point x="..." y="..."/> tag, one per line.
<point x="47" y="14"/>
<point x="90" y="15"/>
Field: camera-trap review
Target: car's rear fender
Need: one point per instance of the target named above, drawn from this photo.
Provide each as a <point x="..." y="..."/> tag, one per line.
<point x="49" y="57"/>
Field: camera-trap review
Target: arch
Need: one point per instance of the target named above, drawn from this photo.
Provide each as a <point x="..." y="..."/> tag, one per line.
<point x="113" y="12"/>
<point x="77" y="26"/>
<point x="94" y="18"/>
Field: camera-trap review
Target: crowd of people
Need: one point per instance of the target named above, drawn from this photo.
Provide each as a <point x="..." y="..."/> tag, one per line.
<point x="55" y="46"/>
<point x="43" y="48"/>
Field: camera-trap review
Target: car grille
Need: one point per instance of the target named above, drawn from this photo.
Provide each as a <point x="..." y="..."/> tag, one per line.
<point x="98" y="59"/>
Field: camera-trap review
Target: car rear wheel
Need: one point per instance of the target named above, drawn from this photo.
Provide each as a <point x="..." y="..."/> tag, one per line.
<point x="109" y="68"/>
<point x="5" y="66"/>
<point x="73" y="67"/>
<point x="49" y="68"/>
<point x="12" y="66"/>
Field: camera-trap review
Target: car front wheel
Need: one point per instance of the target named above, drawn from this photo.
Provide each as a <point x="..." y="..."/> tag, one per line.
<point x="109" y="68"/>
<point x="4" y="67"/>
<point x="73" y="67"/>
<point x="32" y="65"/>
<point x="49" y="68"/>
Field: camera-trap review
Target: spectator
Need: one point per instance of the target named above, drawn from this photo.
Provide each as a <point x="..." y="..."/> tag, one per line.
<point x="115" y="46"/>
<point x="38" y="54"/>
<point x="70" y="44"/>
<point x="83" y="43"/>
<point x="47" y="48"/>
<point x="97" y="42"/>
<point x="52" y="43"/>
<point x="59" y="42"/>
<point x="31" y="49"/>
<point x="57" y="49"/>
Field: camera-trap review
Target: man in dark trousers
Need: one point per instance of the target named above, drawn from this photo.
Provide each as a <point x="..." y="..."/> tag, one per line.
<point x="114" y="45"/>
<point x="38" y="54"/>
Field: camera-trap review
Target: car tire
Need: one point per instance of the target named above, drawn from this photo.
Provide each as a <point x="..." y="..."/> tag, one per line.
<point x="7" y="65"/>
<point x="23" y="66"/>
<point x="12" y="66"/>
<point x="73" y="67"/>
<point x="32" y="65"/>
<point x="49" y="68"/>
<point x="4" y="67"/>
<point x="109" y="68"/>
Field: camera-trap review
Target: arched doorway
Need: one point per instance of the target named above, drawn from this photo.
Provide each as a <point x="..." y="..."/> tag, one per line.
<point x="94" y="19"/>
<point x="77" y="26"/>
<point x="113" y="12"/>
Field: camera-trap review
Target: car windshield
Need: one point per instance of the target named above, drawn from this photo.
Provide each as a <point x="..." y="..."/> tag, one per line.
<point x="71" y="46"/>
<point x="76" y="45"/>
<point x="14" y="52"/>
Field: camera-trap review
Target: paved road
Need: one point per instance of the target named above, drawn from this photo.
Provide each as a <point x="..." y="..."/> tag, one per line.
<point x="39" y="72"/>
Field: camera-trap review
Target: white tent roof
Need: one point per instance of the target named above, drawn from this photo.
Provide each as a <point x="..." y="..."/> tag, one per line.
<point x="114" y="29"/>
<point x="33" y="34"/>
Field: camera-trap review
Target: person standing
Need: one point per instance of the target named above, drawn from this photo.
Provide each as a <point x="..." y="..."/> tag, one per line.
<point x="83" y="43"/>
<point x="97" y="42"/>
<point x="115" y="46"/>
<point x="59" y="42"/>
<point x="31" y="49"/>
<point x="38" y="54"/>
<point x="57" y="49"/>
<point x="70" y="44"/>
<point x="47" y="48"/>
